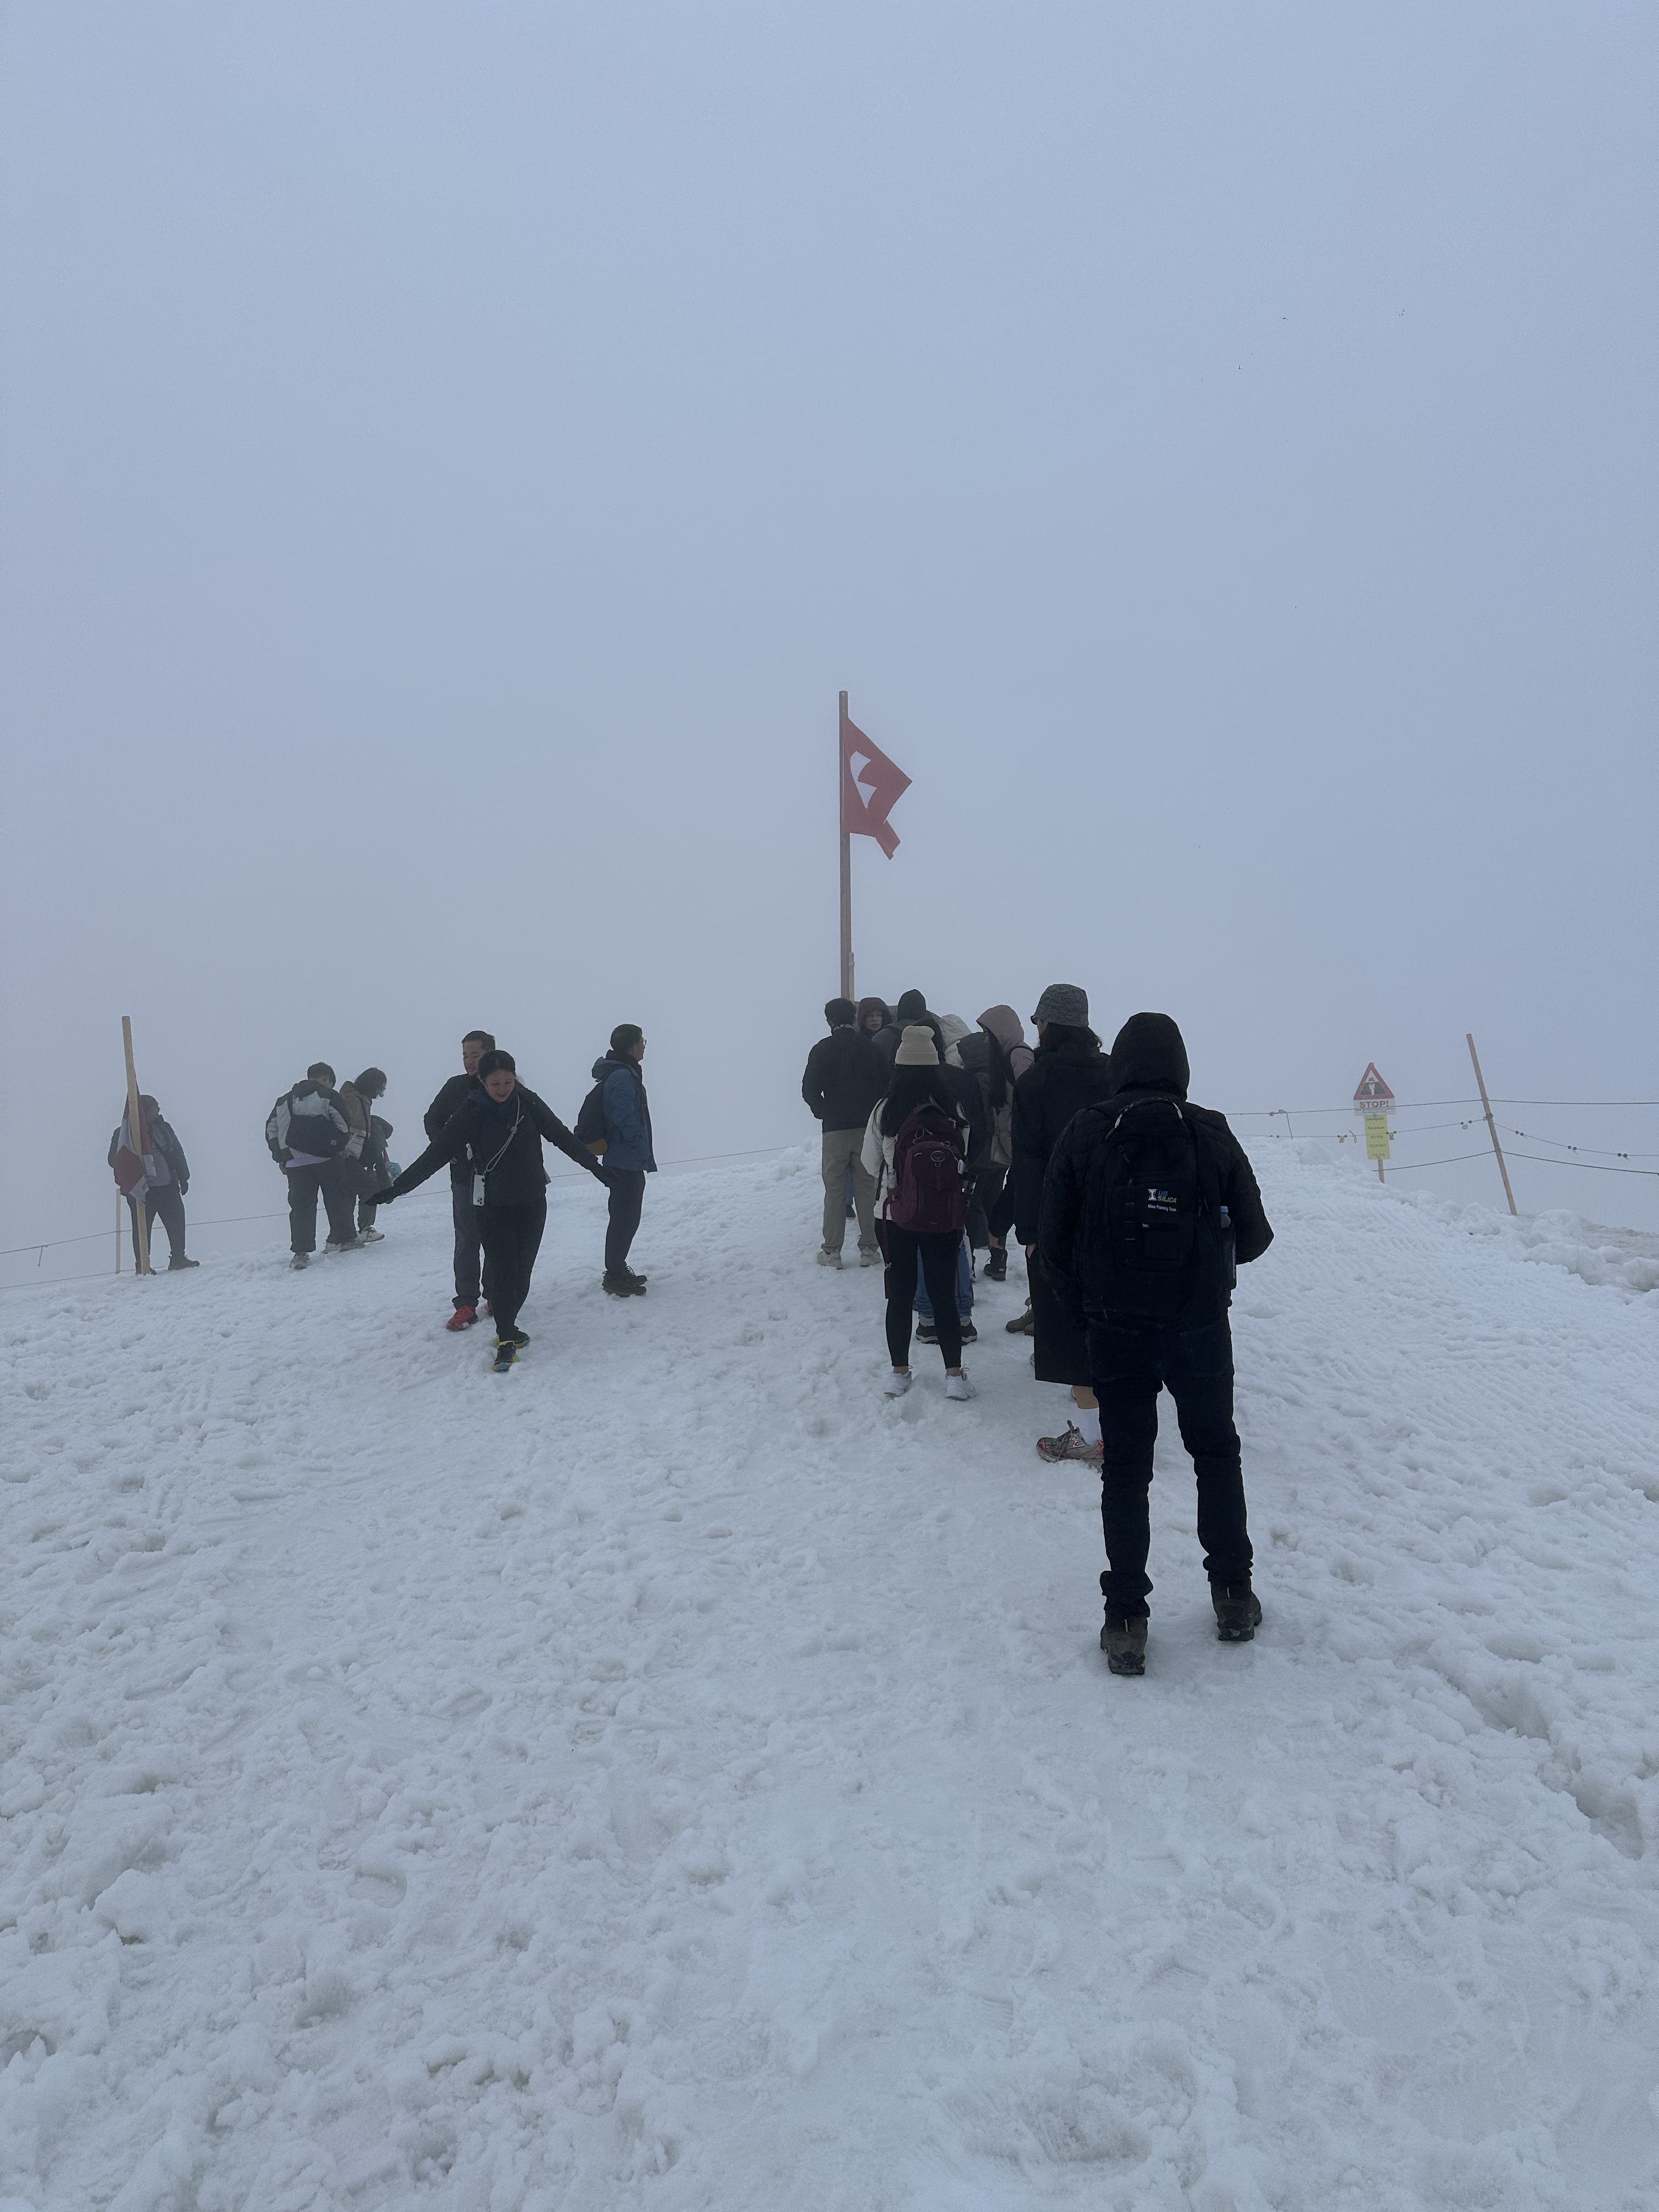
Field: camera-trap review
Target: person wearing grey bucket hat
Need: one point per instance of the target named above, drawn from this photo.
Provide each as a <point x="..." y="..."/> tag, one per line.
<point x="1069" y="1072"/>
<point x="1065" y="1003"/>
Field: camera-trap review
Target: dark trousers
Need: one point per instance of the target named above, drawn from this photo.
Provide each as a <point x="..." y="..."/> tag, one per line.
<point x="984" y="1193"/>
<point x="905" y="1250"/>
<point x="511" y="1237"/>
<point x="467" y="1218"/>
<point x="1128" y="1362"/>
<point x="627" y="1198"/>
<point x="339" y="1202"/>
<point x="166" y="1200"/>
<point x="999" y="1215"/>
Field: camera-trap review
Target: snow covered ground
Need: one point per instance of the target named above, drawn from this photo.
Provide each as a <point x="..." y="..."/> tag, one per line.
<point x="671" y="1776"/>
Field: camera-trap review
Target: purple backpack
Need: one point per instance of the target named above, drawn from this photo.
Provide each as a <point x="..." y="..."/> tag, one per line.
<point x="930" y="1174"/>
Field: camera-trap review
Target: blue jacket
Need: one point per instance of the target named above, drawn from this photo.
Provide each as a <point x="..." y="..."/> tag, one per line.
<point x="627" y="1114"/>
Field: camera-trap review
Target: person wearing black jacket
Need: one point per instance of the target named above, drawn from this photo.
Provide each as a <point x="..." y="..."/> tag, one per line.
<point x="447" y="1102"/>
<point x="501" y="1125"/>
<point x="845" y="1076"/>
<point x="1153" y="1321"/>
<point x="1069" y="1072"/>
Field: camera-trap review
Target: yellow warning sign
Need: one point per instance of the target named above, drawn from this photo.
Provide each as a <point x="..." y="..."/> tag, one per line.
<point x="1377" y="1137"/>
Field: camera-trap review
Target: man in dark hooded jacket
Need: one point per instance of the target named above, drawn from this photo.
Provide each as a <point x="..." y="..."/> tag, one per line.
<point x="1147" y="1205"/>
<point x="845" y="1078"/>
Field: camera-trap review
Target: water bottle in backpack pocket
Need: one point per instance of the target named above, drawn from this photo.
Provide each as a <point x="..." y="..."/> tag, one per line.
<point x="930" y="1174"/>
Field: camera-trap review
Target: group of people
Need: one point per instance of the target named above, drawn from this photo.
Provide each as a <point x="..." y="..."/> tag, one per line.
<point x="487" y="1128"/>
<point x="1133" y="1208"/>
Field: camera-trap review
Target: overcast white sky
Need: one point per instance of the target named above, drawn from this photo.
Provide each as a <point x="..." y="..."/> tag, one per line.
<point x="452" y="455"/>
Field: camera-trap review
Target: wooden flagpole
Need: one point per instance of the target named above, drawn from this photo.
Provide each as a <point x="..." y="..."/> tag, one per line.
<point x="1491" y="1127"/>
<point x="135" y="1125"/>
<point x="846" y="856"/>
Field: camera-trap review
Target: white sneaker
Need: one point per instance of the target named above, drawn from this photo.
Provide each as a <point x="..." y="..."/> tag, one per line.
<point x="828" y="1259"/>
<point x="869" y="1259"/>
<point x="371" y="1237"/>
<point x="301" y="1260"/>
<point x="957" y="1386"/>
<point x="897" y="1384"/>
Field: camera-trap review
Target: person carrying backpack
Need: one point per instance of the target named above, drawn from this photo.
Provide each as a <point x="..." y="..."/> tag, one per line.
<point x="152" y="1173"/>
<point x="1148" y="1207"/>
<point x="305" y="1132"/>
<point x="615" y="1124"/>
<point x="915" y="1147"/>
<point x="996" y="1055"/>
<point x="844" y="1077"/>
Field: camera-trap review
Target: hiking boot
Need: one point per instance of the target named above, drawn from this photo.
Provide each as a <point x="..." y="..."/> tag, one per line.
<point x="1021" y="1323"/>
<point x="301" y="1260"/>
<point x="969" y="1333"/>
<point x="996" y="1266"/>
<point x="828" y="1259"/>
<point x="636" y="1283"/>
<point x="617" y="1287"/>
<point x="926" y="1332"/>
<point x="1073" y="1445"/>
<point x="1123" y="1639"/>
<point x="513" y="1336"/>
<point x="897" y="1383"/>
<point x="180" y="1261"/>
<point x="958" y="1386"/>
<point x="463" y="1317"/>
<point x="1237" y="1612"/>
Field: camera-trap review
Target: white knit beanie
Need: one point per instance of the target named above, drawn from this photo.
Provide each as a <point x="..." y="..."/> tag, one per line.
<point x="916" y="1048"/>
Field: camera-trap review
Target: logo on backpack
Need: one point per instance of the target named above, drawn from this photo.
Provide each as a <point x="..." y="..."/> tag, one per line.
<point x="930" y="1174"/>
<point x="1158" y="1189"/>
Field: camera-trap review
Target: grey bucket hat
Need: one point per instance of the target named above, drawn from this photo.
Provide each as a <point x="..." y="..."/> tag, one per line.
<point x="1067" y="1003"/>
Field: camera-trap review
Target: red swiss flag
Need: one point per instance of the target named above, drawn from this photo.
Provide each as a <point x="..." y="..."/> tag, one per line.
<point x="871" y="786"/>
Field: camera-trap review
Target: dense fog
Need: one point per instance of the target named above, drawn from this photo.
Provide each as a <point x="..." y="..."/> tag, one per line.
<point x="451" y="458"/>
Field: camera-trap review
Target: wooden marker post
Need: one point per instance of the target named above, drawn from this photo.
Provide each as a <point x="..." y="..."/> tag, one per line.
<point x="136" y="1126"/>
<point x="1491" y="1125"/>
<point x="118" y="1228"/>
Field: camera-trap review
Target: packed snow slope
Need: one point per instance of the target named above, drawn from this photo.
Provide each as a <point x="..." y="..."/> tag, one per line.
<point x="671" y="1776"/>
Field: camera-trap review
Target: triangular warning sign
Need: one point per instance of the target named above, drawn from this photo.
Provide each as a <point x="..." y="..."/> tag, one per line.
<point x="1373" y="1092"/>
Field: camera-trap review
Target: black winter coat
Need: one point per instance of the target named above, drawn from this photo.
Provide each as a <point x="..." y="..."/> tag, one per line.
<point x="505" y="1141"/>
<point x="845" y="1076"/>
<point x="1071" y="1239"/>
<point x="1054" y="1087"/>
<point x="448" y="1103"/>
<point x="163" y="1140"/>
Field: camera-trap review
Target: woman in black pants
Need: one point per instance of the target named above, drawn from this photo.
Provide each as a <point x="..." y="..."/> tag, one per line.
<point x="918" y="1080"/>
<point x="498" y="1129"/>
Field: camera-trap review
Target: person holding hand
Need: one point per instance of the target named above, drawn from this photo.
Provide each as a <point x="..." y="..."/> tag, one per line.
<point x="497" y="1129"/>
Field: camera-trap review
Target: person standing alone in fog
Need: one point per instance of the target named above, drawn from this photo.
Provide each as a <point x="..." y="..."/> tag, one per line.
<point x="501" y="1125"/>
<point x="629" y="1157"/>
<point x="442" y="1109"/>
<point x="844" y="1077"/>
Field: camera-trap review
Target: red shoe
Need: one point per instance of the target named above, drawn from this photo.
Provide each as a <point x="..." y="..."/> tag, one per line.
<point x="463" y="1317"/>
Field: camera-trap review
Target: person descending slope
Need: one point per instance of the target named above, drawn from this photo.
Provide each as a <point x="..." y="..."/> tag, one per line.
<point x="914" y="1146"/>
<point x="502" y="1124"/>
<point x="455" y="1092"/>
<point x="1070" y="1071"/>
<point x="1148" y="1207"/>
<point x="844" y="1077"/>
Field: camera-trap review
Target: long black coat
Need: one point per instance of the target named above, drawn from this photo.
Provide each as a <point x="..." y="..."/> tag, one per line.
<point x="1056" y="1085"/>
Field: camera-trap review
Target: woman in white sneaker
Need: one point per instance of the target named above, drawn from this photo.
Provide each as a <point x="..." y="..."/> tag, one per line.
<point x="920" y="1097"/>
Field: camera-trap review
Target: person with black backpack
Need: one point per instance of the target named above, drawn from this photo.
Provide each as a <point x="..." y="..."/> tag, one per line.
<point x="305" y="1132"/>
<point x="615" y="1124"/>
<point x="1148" y="1208"/>
<point x="498" y="1126"/>
<point x="915" y="1147"/>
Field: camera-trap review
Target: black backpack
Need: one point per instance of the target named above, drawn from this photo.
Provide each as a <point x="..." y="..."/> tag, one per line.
<point x="590" y="1129"/>
<point x="1155" y="1213"/>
